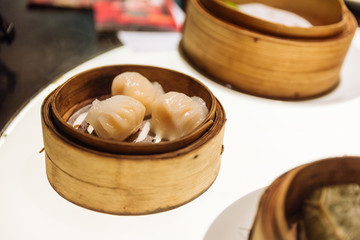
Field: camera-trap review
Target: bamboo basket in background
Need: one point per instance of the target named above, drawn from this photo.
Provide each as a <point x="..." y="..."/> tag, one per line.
<point x="260" y="59"/>
<point x="129" y="178"/>
<point x="280" y="206"/>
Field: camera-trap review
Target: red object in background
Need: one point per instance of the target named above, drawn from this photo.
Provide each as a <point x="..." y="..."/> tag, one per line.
<point x="134" y="15"/>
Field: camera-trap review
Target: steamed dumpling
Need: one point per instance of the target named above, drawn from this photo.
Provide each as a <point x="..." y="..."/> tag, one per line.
<point x="175" y="114"/>
<point x="135" y="85"/>
<point x="116" y="118"/>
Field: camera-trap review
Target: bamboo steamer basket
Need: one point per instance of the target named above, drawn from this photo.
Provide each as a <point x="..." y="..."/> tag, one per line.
<point x="326" y="16"/>
<point x="280" y="205"/>
<point x="83" y="88"/>
<point x="129" y="182"/>
<point x="263" y="64"/>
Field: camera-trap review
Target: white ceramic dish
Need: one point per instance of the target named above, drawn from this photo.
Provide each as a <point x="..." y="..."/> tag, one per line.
<point x="235" y="222"/>
<point x="353" y="1"/>
<point x="262" y="136"/>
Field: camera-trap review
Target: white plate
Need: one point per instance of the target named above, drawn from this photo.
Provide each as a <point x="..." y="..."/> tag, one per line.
<point x="353" y="1"/>
<point x="263" y="138"/>
<point x="235" y="222"/>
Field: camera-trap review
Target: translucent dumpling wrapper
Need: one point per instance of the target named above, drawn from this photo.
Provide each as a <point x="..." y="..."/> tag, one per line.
<point x="116" y="118"/>
<point x="135" y="85"/>
<point x="176" y="114"/>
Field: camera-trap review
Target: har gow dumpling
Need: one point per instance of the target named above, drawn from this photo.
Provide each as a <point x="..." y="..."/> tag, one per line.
<point x="116" y="118"/>
<point x="135" y="85"/>
<point x="176" y="114"/>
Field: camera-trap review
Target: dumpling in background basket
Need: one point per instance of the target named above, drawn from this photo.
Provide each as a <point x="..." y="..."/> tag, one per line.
<point x="175" y="114"/>
<point x="135" y="85"/>
<point x="117" y="117"/>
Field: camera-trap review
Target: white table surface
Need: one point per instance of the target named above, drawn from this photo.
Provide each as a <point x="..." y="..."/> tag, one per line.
<point x="263" y="138"/>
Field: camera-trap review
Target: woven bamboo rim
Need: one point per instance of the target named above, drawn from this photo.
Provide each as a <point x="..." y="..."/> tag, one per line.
<point x="280" y="205"/>
<point x="261" y="64"/>
<point x="84" y="87"/>
<point x="325" y="15"/>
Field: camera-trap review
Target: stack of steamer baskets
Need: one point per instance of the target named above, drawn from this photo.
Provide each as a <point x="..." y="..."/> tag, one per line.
<point x="268" y="59"/>
<point x="125" y="177"/>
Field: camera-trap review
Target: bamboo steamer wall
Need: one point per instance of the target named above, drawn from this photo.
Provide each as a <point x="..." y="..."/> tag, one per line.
<point x="261" y="64"/>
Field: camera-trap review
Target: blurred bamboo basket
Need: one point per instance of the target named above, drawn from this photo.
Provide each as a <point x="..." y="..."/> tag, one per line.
<point x="280" y="206"/>
<point x="135" y="178"/>
<point x="264" y="62"/>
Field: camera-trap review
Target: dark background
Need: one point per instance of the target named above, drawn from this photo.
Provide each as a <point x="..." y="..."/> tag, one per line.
<point x="48" y="43"/>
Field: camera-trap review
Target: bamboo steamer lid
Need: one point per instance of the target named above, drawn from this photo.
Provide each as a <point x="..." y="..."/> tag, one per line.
<point x="130" y="183"/>
<point x="280" y="205"/>
<point x="262" y="64"/>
